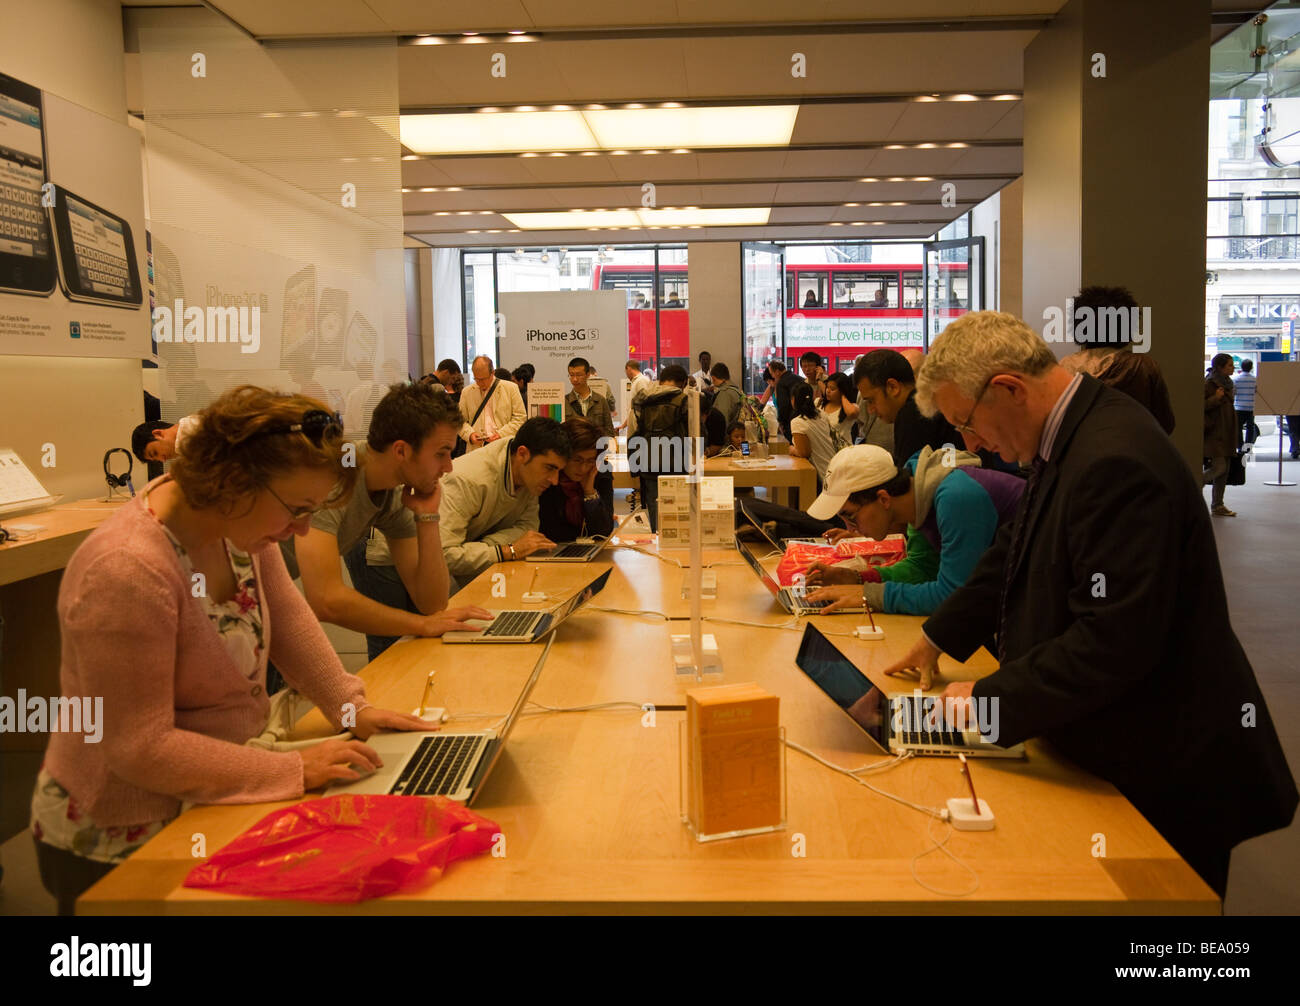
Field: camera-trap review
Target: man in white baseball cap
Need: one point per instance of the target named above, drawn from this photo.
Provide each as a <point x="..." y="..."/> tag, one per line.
<point x="953" y="503"/>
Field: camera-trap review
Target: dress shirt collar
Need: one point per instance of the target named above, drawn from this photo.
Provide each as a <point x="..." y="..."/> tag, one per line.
<point x="1053" y="425"/>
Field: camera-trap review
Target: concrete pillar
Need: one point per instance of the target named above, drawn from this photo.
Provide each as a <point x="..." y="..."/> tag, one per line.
<point x="1115" y="175"/>
<point x="717" y="317"/>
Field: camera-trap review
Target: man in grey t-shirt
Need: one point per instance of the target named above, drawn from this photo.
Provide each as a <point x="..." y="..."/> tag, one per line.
<point x="412" y="433"/>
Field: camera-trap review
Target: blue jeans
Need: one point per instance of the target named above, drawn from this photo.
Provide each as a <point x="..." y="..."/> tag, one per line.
<point x="381" y="584"/>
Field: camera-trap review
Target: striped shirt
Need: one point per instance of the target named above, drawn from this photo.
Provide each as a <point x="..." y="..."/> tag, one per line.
<point x="1244" y="393"/>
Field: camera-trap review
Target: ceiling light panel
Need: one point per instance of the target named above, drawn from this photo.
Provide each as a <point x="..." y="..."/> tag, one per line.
<point x="659" y="128"/>
<point x="566" y="221"/>
<point x="496" y="132"/>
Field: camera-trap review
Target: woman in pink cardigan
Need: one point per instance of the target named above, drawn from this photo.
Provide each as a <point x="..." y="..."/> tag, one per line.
<point x="166" y="613"/>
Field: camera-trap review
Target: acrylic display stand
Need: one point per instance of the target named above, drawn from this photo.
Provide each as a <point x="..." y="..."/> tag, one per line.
<point x="691" y="787"/>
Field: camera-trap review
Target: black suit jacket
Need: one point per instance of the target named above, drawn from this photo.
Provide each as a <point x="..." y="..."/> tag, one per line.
<point x="1118" y="646"/>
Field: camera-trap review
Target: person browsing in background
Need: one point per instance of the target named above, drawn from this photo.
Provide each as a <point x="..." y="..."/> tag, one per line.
<point x="702" y="376"/>
<point x="839" y="404"/>
<point x="407" y="451"/>
<point x="945" y="496"/>
<point x="1106" y="600"/>
<point x="887" y="387"/>
<point x="154" y="440"/>
<point x="167" y="611"/>
<point x="727" y="398"/>
<point x="814" y="373"/>
<point x="583" y="403"/>
<point x="1243" y="401"/>
<point x="811" y="434"/>
<point x="523" y="375"/>
<point x="609" y="391"/>
<point x="490" y="498"/>
<point x="1107" y="352"/>
<point x="492" y="409"/>
<point x="660" y="444"/>
<point x="453" y="381"/>
<point x="781" y="384"/>
<point x="581" y="504"/>
<point x="641" y="386"/>
<point x="1221" y="430"/>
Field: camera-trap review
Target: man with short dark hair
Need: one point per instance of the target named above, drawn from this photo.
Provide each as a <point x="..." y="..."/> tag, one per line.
<point x="703" y="374"/>
<point x="726" y="396"/>
<point x="661" y="445"/>
<point x="491" y="498"/>
<point x="814" y="373"/>
<point x="407" y="451"/>
<point x="583" y="402"/>
<point x="1243" y="401"/>
<point x="154" y="440"/>
<point x="887" y="386"/>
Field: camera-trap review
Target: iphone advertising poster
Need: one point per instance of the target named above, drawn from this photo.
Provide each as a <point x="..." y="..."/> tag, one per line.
<point x="72" y="234"/>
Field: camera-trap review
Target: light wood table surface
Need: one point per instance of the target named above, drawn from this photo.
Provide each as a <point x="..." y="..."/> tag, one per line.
<point x="791" y="481"/>
<point x="588" y="801"/>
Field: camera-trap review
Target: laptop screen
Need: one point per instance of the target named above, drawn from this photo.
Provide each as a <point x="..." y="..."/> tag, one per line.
<point x="757" y="567"/>
<point x="835" y="675"/>
<point x="580" y="598"/>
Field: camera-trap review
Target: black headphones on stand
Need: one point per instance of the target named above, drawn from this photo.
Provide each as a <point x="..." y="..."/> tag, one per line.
<point x="122" y="481"/>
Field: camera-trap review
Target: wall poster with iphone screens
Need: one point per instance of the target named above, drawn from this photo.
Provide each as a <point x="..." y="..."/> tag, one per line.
<point x="71" y="211"/>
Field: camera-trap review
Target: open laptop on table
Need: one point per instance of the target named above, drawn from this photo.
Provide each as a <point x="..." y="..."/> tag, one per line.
<point x="578" y="551"/>
<point x="528" y="626"/>
<point x="758" y="525"/>
<point x="794" y="601"/>
<point x="904" y="720"/>
<point x="440" y="764"/>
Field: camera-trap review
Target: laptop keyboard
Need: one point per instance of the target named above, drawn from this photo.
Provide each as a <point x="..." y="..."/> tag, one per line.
<point x="913" y="711"/>
<point x="514" y="623"/>
<point x="570" y="551"/>
<point x="438" y="767"/>
<point x="801" y="603"/>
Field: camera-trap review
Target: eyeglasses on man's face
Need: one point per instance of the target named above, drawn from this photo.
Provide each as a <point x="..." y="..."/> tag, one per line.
<point x="966" y="428"/>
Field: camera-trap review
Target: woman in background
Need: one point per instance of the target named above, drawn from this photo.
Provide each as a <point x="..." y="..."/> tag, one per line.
<point x="840" y="406"/>
<point x="581" y="503"/>
<point x="810" y="430"/>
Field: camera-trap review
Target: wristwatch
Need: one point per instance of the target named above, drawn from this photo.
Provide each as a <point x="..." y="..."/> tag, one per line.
<point x="593" y="496"/>
<point x="512" y="552"/>
<point x="428" y="518"/>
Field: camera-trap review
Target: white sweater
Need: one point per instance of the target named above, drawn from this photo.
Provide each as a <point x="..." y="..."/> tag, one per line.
<point x="482" y="509"/>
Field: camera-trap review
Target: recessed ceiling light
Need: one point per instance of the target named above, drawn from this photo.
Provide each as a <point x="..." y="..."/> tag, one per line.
<point x="488" y="213"/>
<point x="634" y="104"/>
<point x="878" y="223"/>
<point x="595" y="108"/>
<point x="836" y="223"/>
<point x="898" y="204"/>
<point x="962" y="97"/>
<point x="858" y="223"/>
<point x="430" y="40"/>
<point x="406" y="190"/>
<point x="1006" y="97"/>
<point x="681" y="150"/>
<point x="557" y="153"/>
<point x="525" y="108"/>
<point x="898" y="178"/>
<point x="590" y="153"/>
<point x="473" y="232"/>
<point x="852" y="204"/>
<point x="455" y="188"/>
<point x="895" y="146"/>
<point x="671" y="104"/>
<point x="516" y="31"/>
<point x="618" y="153"/>
<point x="922" y="178"/>
<point x="927" y="97"/>
<point x="428" y="188"/>
<point x="868" y="179"/>
<point x="410" y="157"/>
<point x="568" y="220"/>
<point x="926" y="146"/>
<point x="954" y="145"/>
<point x="470" y="33"/>
<point x="443" y="213"/>
<point x="489" y="108"/>
<point x="530" y="153"/>
<point x="649" y="151"/>
<point x="561" y="108"/>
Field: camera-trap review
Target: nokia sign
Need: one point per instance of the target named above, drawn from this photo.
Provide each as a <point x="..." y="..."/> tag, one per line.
<point x="1266" y="309"/>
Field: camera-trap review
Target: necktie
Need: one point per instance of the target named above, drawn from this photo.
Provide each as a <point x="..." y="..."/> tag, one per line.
<point x="1013" y="553"/>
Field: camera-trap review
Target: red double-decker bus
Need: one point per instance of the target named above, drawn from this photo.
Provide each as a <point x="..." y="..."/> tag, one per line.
<point x="838" y="311"/>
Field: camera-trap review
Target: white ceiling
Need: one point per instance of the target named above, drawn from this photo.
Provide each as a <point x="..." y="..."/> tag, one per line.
<point x="867" y="63"/>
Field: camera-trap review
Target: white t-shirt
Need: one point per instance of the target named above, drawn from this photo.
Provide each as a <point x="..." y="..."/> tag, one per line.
<point x="818" y="432"/>
<point x="184" y="428"/>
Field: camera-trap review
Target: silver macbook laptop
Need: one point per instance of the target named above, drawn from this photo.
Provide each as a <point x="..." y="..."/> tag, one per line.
<point x="528" y="626"/>
<point x="793" y="600"/>
<point x="578" y="551"/>
<point x="440" y="764"/>
<point x="905" y="723"/>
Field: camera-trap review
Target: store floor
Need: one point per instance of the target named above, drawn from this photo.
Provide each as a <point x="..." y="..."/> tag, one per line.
<point x="1259" y="551"/>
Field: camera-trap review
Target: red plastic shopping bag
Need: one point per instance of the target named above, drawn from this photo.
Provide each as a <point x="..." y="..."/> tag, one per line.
<point x="346" y="848"/>
<point x="799" y="556"/>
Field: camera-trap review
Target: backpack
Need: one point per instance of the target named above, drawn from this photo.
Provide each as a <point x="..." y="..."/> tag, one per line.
<point x="664" y="415"/>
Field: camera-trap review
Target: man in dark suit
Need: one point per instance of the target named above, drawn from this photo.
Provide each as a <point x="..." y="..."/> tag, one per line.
<point x="783" y="382"/>
<point x="1106" y="599"/>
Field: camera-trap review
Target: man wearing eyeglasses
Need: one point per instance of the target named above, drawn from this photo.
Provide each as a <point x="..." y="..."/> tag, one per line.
<point x="408" y="450"/>
<point x="1105" y="598"/>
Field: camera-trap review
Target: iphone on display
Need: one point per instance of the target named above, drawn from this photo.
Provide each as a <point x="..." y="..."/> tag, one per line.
<point x="362" y="340"/>
<point x="26" y="247"/>
<point x="96" y="253"/>
<point x="331" y="319"/>
<point x="298" y="324"/>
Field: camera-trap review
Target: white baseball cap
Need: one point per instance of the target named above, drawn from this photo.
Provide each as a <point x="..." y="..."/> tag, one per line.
<point x="851" y="470"/>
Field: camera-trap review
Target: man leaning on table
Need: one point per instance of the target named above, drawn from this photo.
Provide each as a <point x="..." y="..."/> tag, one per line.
<point x="489" y="506"/>
<point x="1105" y="598"/>
<point x="492" y="409"/>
